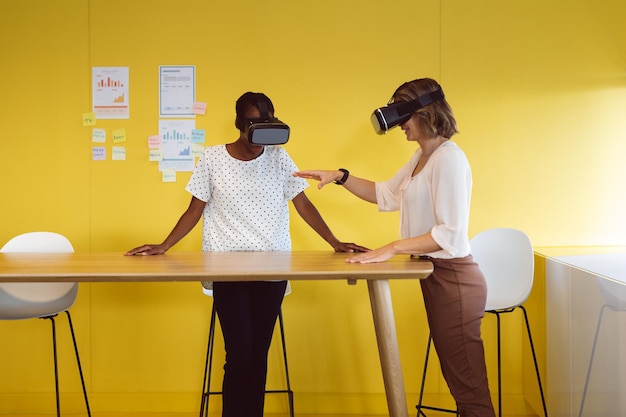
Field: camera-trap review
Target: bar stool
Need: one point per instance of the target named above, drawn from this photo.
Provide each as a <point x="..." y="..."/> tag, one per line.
<point x="208" y="364"/>
<point x="26" y="300"/>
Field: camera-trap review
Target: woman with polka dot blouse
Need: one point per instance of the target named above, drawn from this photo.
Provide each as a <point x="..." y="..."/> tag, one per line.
<point x="242" y="192"/>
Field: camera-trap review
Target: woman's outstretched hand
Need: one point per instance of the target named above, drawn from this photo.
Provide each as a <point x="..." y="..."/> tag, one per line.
<point x="323" y="176"/>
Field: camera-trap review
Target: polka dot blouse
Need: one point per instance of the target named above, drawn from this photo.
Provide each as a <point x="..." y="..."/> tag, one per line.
<point x="247" y="201"/>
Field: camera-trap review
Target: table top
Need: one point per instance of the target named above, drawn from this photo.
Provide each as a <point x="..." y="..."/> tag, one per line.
<point x="199" y="266"/>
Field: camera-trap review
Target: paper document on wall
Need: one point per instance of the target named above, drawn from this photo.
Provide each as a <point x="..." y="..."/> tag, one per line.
<point x="110" y="92"/>
<point x="177" y="91"/>
<point x="176" y="145"/>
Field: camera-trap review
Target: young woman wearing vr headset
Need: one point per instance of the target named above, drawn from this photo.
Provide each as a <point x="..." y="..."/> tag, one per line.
<point x="432" y="192"/>
<point x="242" y="190"/>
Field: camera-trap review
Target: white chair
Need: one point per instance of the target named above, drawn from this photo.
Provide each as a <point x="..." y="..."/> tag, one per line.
<point x="23" y="300"/>
<point x="208" y="365"/>
<point x="506" y="258"/>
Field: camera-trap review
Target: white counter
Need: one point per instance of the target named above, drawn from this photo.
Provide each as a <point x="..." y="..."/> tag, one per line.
<point x="586" y="306"/>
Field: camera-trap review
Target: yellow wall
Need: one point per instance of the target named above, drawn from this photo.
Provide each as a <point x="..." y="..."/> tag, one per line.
<point x="538" y="88"/>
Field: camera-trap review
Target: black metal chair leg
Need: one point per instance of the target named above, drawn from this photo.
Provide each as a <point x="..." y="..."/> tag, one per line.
<point x="499" y="347"/>
<point x="56" y="364"/>
<point x="284" y="345"/>
<point x="532" y="349"/>
<point x="421" y="397"/>
<point x="208" y="367"/>
<point x="420" y="407"/>
<point x="80" y="368"/>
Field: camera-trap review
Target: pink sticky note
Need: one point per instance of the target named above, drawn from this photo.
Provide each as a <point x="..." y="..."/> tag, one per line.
<point x="199" y="107"/>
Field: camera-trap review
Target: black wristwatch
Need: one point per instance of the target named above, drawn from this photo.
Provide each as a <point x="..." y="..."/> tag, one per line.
<point x="343" y="179"/>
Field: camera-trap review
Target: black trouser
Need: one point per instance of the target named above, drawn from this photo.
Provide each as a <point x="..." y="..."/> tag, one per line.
<point x="247" y="313"/>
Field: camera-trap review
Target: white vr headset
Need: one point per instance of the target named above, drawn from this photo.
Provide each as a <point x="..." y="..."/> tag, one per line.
<point x="385" y="118"/>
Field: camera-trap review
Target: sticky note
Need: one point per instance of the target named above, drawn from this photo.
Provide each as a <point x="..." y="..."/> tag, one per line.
<point x="89" y="119"/>
<point x="154" y="141"/>
<point x="118" y="153"/>
<point x="196" y="150"/>
<point x="98" y="135"/>
<point x="169" y="175"/>
<point x="119" y="135"/>
<point x="155" y="155"/>
<point x="199" y="107"/>
<point x="98" y="153"/>
<point x="197" y="135"/>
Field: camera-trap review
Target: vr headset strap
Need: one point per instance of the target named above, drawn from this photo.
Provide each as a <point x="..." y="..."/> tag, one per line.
<point x="422" y="101"/>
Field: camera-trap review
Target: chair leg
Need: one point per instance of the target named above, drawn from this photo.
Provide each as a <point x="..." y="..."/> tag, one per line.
<point x="532" y="348"/>
<point x="208" y="367"/>
<point x="499" y="348"/>
<point x="80" y="368"/>
<point x="593" y="351"/>
<point x="282" y="339"/>
<point x="421" y="397"/>
<point x="56" y="364"/>
<point x="420" y="407"/>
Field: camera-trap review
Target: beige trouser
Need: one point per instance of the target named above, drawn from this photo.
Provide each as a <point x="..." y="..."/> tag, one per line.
<point x="454" y="296"/>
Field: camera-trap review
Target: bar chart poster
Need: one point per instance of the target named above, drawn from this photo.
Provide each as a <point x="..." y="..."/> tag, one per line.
<point x="177" y="91"/>
<point x="176" y="145"/>
<point x="110" y="92"/>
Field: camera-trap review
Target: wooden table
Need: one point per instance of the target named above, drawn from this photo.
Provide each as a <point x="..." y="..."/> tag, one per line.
<point x="239" y="266"/>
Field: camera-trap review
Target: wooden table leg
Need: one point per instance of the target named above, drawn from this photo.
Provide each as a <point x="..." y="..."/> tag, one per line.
<point x="385" y="326"/>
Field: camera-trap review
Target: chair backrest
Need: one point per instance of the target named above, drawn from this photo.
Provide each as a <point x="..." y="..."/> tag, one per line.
<point x="506" y="258"/>
<point x="21" y="300"/>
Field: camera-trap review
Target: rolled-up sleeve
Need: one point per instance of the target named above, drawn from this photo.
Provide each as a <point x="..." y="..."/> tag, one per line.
<point x="452" y="185"/>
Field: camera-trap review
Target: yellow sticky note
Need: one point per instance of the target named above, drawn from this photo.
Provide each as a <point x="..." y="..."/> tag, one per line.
<point x="89" y="119"/>
<point x="196" y="150"/>
<point x="119" y="135"/>
<point x="169" y="175"/>
<point x="155" y="155"/>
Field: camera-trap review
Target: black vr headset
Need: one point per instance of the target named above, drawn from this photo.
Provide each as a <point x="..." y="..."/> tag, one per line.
<point x="265" y="130"/>
<point x="385" y="118"/>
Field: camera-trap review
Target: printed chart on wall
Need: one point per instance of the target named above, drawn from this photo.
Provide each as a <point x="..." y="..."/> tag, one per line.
<point x="110" y="92"/>
<point x="177" y="145"/>
<point x="177" y="91"/>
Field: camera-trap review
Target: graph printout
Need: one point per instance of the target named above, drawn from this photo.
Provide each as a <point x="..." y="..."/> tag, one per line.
<point x="176" y="145"/>
<point x="110" y="92"/>
<point x="177" y="91"/>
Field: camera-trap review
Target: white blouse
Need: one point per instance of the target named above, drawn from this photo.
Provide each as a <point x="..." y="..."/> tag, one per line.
<point x="436" y="200"/>
<point x="247" y="201"/>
